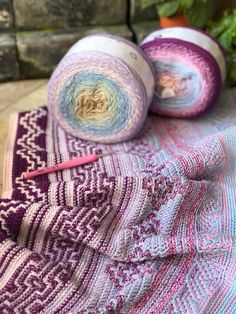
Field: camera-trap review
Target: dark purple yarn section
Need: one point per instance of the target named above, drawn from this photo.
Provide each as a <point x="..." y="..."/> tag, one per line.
<point x="20" y="163"/>
<point x="13" y="222"/>
<point x="3" y="237"/>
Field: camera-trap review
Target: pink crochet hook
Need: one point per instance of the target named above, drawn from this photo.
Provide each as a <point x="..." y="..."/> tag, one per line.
<point x="63" y="165"/>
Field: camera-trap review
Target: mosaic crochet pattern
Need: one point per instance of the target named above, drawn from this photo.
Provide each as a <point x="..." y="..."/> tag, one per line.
<point x="148" y="229"/>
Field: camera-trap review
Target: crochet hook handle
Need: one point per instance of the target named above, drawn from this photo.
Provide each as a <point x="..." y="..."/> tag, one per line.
<point x="63" y="165"/>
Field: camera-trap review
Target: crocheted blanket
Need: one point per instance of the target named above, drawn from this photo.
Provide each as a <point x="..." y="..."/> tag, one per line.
<point x="147" y="229"/>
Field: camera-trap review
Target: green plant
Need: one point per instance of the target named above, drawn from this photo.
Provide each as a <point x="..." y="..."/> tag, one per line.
<point x="224" y="29"/>
<point x="197" y="12"/>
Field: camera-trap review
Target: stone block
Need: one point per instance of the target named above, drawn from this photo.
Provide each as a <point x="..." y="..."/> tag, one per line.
<point x="143" y="29"/>
<point x="43" y="14"/>
<point x="6" y="15"/>
<point x="138" y="14"/>
<point x="9" y="67"/>
<point x="40" y="51"/>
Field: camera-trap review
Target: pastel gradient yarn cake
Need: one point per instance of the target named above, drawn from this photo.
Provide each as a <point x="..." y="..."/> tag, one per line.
<point x="102" y="89"/>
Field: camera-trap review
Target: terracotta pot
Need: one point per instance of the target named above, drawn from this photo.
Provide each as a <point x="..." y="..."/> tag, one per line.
<point x="176" y="20"/>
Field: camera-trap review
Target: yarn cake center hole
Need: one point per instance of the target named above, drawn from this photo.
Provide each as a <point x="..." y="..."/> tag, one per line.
<point x="167" y="86"/>
<point x="93" y="104"/>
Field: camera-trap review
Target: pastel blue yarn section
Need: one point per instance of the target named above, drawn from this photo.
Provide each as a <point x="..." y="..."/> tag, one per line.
<point x="191" y="78"/>
<point x="121" y="112"/>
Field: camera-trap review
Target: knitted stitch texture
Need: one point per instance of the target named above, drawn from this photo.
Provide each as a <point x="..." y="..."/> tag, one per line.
<point x="147" y="229"/>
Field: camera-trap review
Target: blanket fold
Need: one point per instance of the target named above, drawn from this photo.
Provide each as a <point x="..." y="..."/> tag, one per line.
<point x="149" y="228"/>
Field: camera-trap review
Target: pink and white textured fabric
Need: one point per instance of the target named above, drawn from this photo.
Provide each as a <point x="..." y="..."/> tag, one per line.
<point x="148" y="229"/>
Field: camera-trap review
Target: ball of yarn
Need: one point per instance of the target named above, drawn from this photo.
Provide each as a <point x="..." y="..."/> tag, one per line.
<point x="190" y="70"/>
<point x="102" y="89"/>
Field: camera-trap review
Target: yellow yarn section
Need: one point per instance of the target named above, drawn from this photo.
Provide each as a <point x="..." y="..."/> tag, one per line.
<point x="94" y="104"/>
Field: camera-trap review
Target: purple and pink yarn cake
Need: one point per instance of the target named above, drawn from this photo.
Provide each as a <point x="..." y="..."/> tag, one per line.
<point x="190" y="71"/>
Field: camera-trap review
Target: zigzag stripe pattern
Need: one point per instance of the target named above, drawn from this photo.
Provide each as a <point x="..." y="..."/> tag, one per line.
<point x="30" y="148"/>
<point x="149" y="228"/>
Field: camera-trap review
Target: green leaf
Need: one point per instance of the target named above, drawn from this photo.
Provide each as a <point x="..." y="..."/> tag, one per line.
<point x="226" y="40"/>
<point x="167" y="8"/>
<point x="225" y="29"/>
<point x="200" y="13"/>
<point x="148" y="3"/>
<point x="224" y="24"/>
<point x="234" y="41"/>
<point x="231" y="68"/>
<point x="187" y="4"/>
<point x="217" y="30"/>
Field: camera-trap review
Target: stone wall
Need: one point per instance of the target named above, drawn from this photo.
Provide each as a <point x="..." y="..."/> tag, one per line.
<point x="40" y="51"/>
<point x="35" y="34"/>
<point x="44" y="14"/>
<point x="142" y="21"/>
<point x="9" y="66"/>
